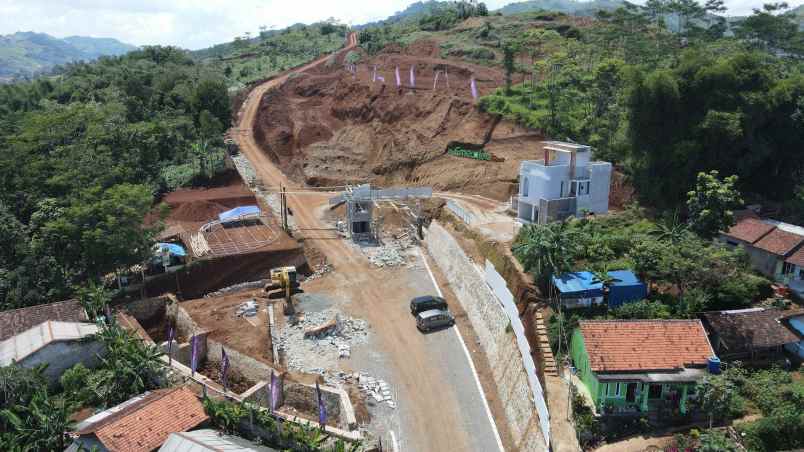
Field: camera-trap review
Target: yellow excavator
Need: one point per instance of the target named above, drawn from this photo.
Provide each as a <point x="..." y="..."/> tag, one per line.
<point x="283" y="285"/>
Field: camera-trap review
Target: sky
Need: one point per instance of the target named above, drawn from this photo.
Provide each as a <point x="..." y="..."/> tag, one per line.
<point x="195" y="24"/>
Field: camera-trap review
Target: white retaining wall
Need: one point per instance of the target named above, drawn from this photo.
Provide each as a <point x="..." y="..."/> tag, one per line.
<point x="491" y="324"/>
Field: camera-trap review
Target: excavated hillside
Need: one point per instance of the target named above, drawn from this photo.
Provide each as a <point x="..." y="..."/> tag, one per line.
<point x="330" y="127"/>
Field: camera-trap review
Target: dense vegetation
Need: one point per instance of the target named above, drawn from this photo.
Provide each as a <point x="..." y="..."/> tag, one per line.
<point x="672" y="100"/>
<point x="84" y="154"/>
<point x="249" y="59"/>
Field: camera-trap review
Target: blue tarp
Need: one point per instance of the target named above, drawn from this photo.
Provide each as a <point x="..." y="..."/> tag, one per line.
<point x="625" y="288"/>
<point x="237" y="212"/>
<point x="578" y="285"/>
<point x="174" y="249"/>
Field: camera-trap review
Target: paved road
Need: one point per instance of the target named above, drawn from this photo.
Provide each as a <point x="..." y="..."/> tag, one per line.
<point x="441" y="407"/>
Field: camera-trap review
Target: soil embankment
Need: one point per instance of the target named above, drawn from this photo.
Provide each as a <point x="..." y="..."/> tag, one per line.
<point x="328" y="126"/>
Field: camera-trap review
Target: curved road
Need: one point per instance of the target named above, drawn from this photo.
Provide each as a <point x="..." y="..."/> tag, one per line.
<point x="440" y="405"/>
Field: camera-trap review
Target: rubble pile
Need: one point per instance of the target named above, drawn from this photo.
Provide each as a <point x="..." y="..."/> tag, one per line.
<point x="384" y="256"/>
<point x="321" y="338"/>
<point x="375" y="390"/>
<point x="247" y="309"/>
<point x="251" y="285"/>
<point x="320" y="271"/>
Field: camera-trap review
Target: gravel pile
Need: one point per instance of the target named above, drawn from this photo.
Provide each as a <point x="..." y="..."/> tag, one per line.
<point x="314" y="354"/>
<point x="320" y="271"/>
<point x="384" y="256"/>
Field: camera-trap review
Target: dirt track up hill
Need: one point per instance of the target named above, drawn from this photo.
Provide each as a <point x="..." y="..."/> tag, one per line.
<point x="329" y="127"/>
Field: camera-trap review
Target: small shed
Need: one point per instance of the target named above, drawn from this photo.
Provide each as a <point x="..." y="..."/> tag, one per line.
<point x="624" y="288"/>
<point x="579" y="289"/>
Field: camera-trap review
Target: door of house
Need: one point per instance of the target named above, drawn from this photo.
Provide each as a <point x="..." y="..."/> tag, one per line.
<point x="630" y="392"/>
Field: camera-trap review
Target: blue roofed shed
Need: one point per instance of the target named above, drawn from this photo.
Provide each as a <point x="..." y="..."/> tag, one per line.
<point x="239" y="213"/>
<point x="579" y="289"/>
<point x="625" y="287"/>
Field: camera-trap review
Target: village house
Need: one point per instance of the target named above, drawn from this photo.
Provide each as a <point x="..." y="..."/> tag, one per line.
<point x="566" y="182"/>
<point x="796" y="324"/>
<point x="641" y="366"/>
<point x="584" y="289"/>
<point x="755" y="335"/>
<point x="206" y="440"/>
<point x="141" y="424"/>
<point x="776" y="249"/>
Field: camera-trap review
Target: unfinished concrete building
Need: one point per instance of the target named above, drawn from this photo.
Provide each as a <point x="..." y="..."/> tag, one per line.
<point x="565" y="183"/>
<point x="360" y="221"/>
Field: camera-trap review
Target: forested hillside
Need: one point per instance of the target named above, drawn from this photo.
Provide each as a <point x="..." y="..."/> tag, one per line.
<point x="26" y="54"/>
<point x="84" y="154"/>
<point x="249" y="59"/>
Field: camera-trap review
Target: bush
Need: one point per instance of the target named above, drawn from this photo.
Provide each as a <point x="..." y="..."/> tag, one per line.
<point x="780" y="432"/>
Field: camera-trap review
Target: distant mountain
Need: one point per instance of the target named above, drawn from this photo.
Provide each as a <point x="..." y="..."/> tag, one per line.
<point x="799" y="15"/>
<point x="565" y="6"/>
<point x="25" y="54"/>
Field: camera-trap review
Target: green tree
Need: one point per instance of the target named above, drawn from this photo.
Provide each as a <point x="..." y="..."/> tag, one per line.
<point x="41" y="424"/>
<point x="716" y="392"/>
<point x="711" y="204"/>
<point x="509" y="51"/>
<point x="546" y="250"/>
<point x="770" y="26"/>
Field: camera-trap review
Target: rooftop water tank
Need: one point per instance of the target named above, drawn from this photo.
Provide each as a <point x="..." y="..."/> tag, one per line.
<point x="714" y="365"/>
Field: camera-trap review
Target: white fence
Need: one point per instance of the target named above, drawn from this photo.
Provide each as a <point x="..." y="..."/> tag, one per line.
<point x="460" y="212"/>
<point x="497" y="284"/>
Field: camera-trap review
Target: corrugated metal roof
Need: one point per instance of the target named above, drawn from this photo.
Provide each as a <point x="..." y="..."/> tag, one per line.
<point x="577" y="282"/>
<point x="207" y="440"/>
<point x="26" y="343"/>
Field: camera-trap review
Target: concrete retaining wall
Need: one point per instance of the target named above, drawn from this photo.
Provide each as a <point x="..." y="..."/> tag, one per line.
<point x="491" y="324"/>
<point x="245" y="365"/>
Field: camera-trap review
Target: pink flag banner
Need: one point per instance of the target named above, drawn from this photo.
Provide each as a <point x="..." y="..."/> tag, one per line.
<point x="398" y="80"/>
<point x="194" y="356"/>
<point x="274" y="392"/>
<point x="474" y="88"/>
<point x="381" y="78"/>
<point x="374" y="75"/>
<point x="446" y="76"/>
<point x="435" y="80"/>
<point x="412" y="78"/>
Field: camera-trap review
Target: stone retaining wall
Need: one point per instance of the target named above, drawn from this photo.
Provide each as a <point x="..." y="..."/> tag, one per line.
<point x="491" y="325"/>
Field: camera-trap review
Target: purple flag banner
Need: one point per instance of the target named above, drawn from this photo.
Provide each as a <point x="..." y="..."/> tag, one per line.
<point x="398" y="80"/>
<point x="274" y="389"/>
<point x="224" y="368"/>
<point x="322" y="409"/>
<point x="374" y="76"/>
<point x="474" y="88"/>
<point x="171" y="335"/>
<point x="194" y="357"/>
<point x="381" y="78"/>
<point x="412" y="78"/>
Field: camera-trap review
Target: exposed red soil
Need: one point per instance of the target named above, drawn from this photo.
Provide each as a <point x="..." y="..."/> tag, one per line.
<point x="250" y="336"/>
<point x="328" y="127"/>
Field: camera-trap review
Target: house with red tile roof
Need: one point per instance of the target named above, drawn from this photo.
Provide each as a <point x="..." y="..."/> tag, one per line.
<point x="141" y="424"/>
<point x="641" y="366"/>
<point x="776" y="249"/>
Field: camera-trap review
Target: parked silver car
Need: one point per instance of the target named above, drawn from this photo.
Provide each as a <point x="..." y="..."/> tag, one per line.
<point x="434" y="319"/>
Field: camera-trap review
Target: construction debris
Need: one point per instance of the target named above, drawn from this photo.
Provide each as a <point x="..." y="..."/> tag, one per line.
<point x="318" y="339"/>
<point x="320" y="271"/>
<point x="247" y="309"/>
<point x="251" y="285"/>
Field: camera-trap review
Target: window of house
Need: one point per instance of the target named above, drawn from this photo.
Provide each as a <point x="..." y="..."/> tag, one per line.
<point x="787" y="268"/>
<point x="525" y="186"/>
<point x="561" y="193"/>
<point x="618" y="392"/>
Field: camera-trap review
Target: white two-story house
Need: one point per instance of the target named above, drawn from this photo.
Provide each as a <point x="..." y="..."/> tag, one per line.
<point x="565" y="183"/>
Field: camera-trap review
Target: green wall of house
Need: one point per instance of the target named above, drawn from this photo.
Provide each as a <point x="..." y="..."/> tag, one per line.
<point x="615" y="394"/>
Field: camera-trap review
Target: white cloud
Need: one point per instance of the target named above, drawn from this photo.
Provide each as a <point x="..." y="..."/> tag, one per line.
<point x="200" y="23"/>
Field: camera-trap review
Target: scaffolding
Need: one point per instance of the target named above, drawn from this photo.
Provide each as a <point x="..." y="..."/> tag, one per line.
<point x="360" y="201"/>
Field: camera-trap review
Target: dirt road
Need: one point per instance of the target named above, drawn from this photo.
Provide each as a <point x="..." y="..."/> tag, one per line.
<point x="440" y="406"/>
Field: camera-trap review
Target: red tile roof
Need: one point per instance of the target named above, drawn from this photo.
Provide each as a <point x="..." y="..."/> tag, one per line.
<point x="797" y="258"/>
<point x="145" y="425"/>
<point x="645" y="345"/>
<point x="779" y="242"/>
<point x="750" y="230"/>
<point x="16" y="321"/>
